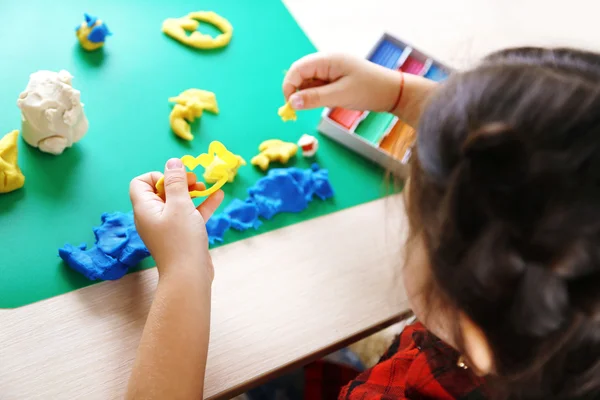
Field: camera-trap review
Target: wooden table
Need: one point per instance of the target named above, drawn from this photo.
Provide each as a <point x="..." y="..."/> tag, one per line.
<point x="270" y="315"/>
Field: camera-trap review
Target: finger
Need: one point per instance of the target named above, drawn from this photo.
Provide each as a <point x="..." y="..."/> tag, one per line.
<point x="208" y="206"/>
<point x="329" y="95"/>
<point x="176" y="182"/>
<point x="314" y="66"/>
<point x="312" y="83"/>
<point x="197" y="186"/>
<point x="144" y="187"/>
<point x="191" y="178"/>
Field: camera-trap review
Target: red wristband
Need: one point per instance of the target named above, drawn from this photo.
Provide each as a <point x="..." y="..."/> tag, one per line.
<point x="397" y="102"/>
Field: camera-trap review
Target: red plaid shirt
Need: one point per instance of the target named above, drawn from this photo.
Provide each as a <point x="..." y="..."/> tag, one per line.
<point x="418" y="365"/>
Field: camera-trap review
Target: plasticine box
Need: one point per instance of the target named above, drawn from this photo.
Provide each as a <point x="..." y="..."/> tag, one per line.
<point x="382" y="137"/>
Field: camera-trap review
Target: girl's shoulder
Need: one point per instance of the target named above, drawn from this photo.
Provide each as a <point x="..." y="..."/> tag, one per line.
<point x="417" y="365"/>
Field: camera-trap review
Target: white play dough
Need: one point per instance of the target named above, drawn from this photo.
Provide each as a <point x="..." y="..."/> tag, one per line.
<point x="308" y="141"/>
<point x="51" y="112"/>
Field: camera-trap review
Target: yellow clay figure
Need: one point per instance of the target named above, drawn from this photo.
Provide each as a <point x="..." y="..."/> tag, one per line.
<point x="220" y="166"/>
<point x="274" y="150"/>
<point x="11" y="177"/>
<point x="178" y="29"/>
<point x="206" y="98"/>
<point x="286" y="112"/>
<point x="189" y="105"/>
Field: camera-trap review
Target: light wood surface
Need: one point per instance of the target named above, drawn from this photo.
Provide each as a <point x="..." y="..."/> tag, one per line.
<point x="279" y="299"/>
<point x="342" y="277"/>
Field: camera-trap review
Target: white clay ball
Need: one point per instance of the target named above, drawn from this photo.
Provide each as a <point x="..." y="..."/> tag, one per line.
<point x="51" y="112"/>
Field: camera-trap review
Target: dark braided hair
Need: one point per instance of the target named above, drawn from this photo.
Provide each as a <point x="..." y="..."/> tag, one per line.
<point x="505" y="189"/>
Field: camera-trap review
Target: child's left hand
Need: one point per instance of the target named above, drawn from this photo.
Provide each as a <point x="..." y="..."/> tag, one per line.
<point x="173" y="230"/>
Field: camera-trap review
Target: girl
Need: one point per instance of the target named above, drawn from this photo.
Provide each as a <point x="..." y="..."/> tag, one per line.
<point x="503" y="265"/>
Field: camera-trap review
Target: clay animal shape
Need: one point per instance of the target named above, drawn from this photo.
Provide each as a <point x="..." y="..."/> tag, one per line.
<point x="274" y="150"/>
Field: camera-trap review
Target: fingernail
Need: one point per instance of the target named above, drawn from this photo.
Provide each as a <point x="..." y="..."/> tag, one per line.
<point x="296" y="101"/>
<point x="174" y="163"/>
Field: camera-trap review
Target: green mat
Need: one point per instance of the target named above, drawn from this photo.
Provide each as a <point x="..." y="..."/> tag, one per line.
<point x="125" y="90"/>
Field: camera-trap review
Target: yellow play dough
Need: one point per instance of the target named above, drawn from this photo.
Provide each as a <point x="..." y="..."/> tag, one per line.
<point x="11" y="177"/>
<point x="177" y="28"/>
<point x="274" y="150"/>
<point x="220" y="166"/>
<point x="189" y="105"/>
<point x="286" y="112"/>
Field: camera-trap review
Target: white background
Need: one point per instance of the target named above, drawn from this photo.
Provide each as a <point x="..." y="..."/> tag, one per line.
<point x="456" y="32"/>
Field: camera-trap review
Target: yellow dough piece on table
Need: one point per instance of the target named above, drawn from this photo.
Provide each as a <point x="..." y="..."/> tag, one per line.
<point x="178" y="29"/>
<point x="220" y="166"/>
<point x="190" y="104"/>
<point x="274" y="150"/>
<point x="11" y="177"/>
<point x="287" y="113"/>
<point x="207" y="99"/>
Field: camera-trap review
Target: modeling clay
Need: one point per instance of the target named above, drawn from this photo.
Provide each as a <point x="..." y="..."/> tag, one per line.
<point x="282" y="190"/>
<point x="287" y="113"/>
<point x="220" y="166"/>
<point x="243" y="215"/>
<point x="214" y="170"/>
<point x="118" y="247"/>
<point x="216" y="227"/>
<point x="178" y="29"/>
<point x="309" y="145"/>
<point x="273" y="150"/>
<point x="11" y="177"/>
<point x="91" y="33"/>
<point x="51" y="112"/>
<point x="189" y="105"/>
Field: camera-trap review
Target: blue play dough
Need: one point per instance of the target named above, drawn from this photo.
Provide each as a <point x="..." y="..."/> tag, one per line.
<point x="89" y="19"/>
<point x="282" y="190"/>
<point x="99" y="34"/>
<point x="216" y="227"/>
<point x="243" y="215"/>
<point x="118" y="247"/>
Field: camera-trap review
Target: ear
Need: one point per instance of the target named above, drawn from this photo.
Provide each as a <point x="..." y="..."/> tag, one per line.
<point x="476" y="345"/>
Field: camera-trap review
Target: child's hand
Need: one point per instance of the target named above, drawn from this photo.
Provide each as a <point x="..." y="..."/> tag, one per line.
<point x="173" y="230"/>
<point x="337" y="80"/>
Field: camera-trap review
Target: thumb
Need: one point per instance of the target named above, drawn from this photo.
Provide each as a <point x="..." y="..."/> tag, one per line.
<point x="176" y="186"/>
<point x="322" y="96"/>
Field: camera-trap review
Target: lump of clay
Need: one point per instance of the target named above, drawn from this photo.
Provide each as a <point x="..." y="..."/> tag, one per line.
<point x="11" y="177"/>
<point x="51" y="112"/>
<point x="309" y="145"/>
<point x="118" y="247"/>
<point x="282" y="190"/>
<point x="92" y="33"/>
<point x="189" y="105"/>
<point x="273" y="150"/>
<point x="287" y="113"/>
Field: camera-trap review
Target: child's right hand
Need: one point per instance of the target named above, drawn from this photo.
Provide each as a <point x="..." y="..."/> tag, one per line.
<point x="173" y="230"/>
<point x="337" y="80"/>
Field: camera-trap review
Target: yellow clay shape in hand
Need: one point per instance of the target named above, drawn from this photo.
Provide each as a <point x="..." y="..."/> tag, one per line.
<point x="11" y="177"/>
<point x="178" y="29"/>
<point x="287" y="113"/>
<point x="220" y="166"/>
<point x="274" y="150"/>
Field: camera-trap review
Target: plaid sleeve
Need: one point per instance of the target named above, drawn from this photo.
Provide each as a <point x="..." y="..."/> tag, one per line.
<point x="417" y="366"/>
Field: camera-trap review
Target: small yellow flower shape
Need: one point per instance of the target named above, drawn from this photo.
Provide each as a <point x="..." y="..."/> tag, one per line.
<point x="177" y="28"/>
<point x="220" y="166"/>
<point x="11" y="177"/>
<point x="287" y="113"/>
<point x="274" y="150"/>
<point x="189" y="105"/>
